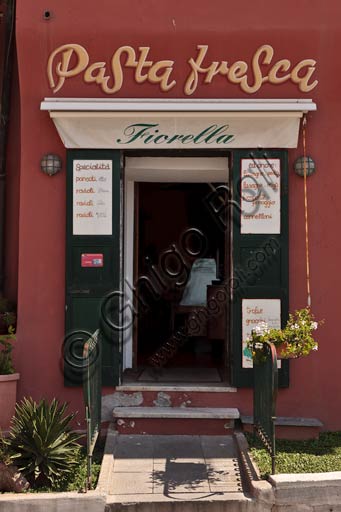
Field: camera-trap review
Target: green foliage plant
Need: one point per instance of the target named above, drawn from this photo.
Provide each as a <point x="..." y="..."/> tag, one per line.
<point x="42" y="443"/>
<point x="8" y="319"/>
<point x="4" y="453"/>
<point x="295" y="340"/>
<point x="6" y="347"/>
<point x="8" y="315"/>
<point x="310" y="456"/>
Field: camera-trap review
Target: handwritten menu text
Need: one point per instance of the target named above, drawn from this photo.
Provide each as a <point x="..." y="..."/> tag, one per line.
<point x="260" y="196"/>
<point x="92" y="197"/>
<point x="255" y="311"/>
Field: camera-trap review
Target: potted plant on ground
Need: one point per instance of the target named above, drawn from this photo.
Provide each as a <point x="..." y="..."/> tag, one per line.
<point x="295" y="340"/>
<point x="8" y="377"/>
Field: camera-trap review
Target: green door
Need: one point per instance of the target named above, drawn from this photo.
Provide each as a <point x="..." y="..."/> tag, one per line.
<point x="92" y="260"/>
<point x="260" y="252"/>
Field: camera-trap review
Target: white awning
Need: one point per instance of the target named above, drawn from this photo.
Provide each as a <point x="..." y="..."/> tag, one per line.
<point x="177" y="124"/>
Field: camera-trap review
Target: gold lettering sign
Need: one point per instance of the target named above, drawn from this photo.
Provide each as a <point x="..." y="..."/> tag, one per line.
<point x="71" y="60"/>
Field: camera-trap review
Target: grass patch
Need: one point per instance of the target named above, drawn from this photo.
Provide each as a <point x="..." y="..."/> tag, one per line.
<point x="76" y="481"/>
<point x="311" y="456"/>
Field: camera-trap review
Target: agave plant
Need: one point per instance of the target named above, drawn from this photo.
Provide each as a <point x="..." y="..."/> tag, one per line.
<point x="4" y="454"/>
<point x="41" y="442"/>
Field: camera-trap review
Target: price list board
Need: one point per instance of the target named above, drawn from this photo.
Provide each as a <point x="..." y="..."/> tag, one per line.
<point x="92" y="197"/>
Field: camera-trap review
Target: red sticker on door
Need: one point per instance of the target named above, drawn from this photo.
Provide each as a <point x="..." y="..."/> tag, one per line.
<point x="92" y="260"/>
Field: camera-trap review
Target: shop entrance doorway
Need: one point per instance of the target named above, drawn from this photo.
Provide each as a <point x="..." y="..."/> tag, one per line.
<point x="181" y="248"/>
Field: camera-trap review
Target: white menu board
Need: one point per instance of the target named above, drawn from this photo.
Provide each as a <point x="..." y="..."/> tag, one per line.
<point x="255" y="311"/>
<point x="92" y="197"/>
<point x="260" y="195"/>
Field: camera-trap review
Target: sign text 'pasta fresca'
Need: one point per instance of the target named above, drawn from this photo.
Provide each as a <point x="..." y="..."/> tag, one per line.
<point x="71" y="60"/>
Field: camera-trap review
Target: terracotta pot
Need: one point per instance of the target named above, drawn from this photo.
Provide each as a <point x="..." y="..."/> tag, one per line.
<point x="8" y="398"/>
<point x="281" y="352"/>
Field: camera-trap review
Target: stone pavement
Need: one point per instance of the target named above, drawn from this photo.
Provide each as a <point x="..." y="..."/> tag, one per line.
<point x="185" y="474"/>
<point x="153" y="468"/>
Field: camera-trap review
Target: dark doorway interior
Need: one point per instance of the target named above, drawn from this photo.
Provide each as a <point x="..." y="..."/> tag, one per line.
<point x="181" y="265"/>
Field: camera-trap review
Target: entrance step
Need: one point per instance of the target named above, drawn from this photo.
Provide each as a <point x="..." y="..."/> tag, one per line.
<point x="175" y="420"/>
<point x="168" y="396"/>
<point x="290" y="428"/>
<point x="174" y="473"/>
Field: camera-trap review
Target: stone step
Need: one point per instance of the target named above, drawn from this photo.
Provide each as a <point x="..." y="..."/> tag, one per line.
<point x="168" y="396"/>
<point x="295" y="428"/>
<point x="178" y="388"/>
<point x="175" y="420"/>
<point x="176" y="412"/>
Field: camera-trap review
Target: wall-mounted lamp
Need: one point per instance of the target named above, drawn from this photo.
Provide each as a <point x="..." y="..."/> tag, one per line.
<point x="51" y="164"/>
<point x="299" y="166"/>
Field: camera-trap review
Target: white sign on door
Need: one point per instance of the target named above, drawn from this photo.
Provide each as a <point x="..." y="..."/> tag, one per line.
<point x="260" y="196"/>
<point x="255" y="311"/>
<point x="92" y="197"/>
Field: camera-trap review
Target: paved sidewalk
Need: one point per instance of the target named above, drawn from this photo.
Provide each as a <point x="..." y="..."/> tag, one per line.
<point x="168" y="467"/>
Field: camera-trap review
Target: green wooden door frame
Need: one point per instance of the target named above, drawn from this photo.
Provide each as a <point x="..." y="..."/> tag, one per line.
<point x="267" y="281"/>
<point x="87" y="288"/>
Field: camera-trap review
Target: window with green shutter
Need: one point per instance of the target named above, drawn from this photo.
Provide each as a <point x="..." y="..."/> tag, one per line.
<point x="260" y="252"/>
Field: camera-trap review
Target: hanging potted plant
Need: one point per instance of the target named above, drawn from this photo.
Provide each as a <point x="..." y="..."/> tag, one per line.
<point x="8" y="379"/>
<point x="295" y="340"/>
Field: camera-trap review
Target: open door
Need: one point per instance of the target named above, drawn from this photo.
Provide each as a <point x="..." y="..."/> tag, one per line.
<point x="181" y="271"/>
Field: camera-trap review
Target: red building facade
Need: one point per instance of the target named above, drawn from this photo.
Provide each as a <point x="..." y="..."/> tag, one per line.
<point x="240" y="61"/>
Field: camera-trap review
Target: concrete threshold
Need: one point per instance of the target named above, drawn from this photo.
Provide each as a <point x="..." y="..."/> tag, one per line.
<point x="176" y="412"/>
<point x="181" y="388"/>
<point x="235" y="502"/>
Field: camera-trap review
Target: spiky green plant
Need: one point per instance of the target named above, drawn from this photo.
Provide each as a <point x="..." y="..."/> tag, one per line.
<point x="4" y="454"/>
<point x="41" y="442"/>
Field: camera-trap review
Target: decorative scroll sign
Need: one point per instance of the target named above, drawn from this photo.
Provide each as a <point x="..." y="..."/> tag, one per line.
<point x="260" y="196"/>
<point x="255" y="311"/>
<point x="69" y="60"/>
<point x="92" y="197"/>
